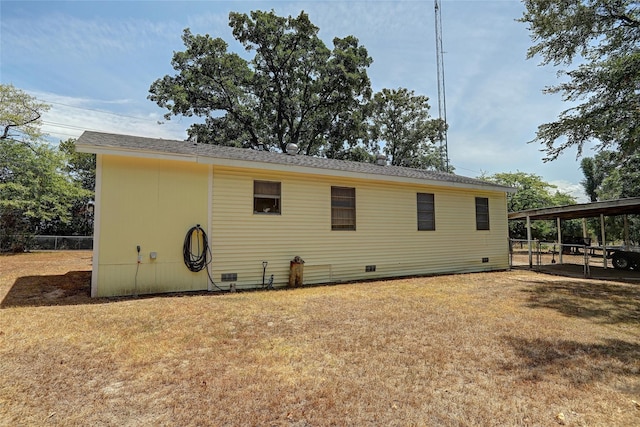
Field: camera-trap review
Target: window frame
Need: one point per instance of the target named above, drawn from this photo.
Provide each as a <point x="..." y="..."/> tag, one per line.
<point x="482" y="214"/>
<point x="276" y="197"/>
<point x="428" y="224"/>
<point x="335" y="198"/>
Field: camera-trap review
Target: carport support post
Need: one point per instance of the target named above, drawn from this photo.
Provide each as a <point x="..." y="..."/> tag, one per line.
<point x="529" y="241"/>
<point x="558" y="221"/>
<point x="604" y="242"/>
<point x="585" y="234"/>
<point x="626" y="233"/>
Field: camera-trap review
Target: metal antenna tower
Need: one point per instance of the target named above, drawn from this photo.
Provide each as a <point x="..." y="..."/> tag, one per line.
<point x="442" y="103"/>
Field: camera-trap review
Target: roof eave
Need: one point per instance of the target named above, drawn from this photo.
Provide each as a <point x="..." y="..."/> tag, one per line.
<point x="163" y="155"/>
<point x="276" y="167"/>
<point x="198" y="157"/>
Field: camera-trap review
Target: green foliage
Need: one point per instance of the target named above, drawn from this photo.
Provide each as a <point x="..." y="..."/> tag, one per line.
<point x="81" y="167"/>
<point x="611" y="175"/>
<point x="41" y="189"/>
<point x="401" y="119"/>
<point x="601" y="176"/>
<point x="19" y="114"/>
<point x="532" y="193"/>
<point x="592" y="178"/>
<point x="294" y="90"/>
<point x="603" y="37"/>
<point x="81" y="170"/>
<point x="34" y="191"/>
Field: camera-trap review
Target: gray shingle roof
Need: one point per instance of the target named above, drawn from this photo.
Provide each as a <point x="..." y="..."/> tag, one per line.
<point x="94" y="141"/>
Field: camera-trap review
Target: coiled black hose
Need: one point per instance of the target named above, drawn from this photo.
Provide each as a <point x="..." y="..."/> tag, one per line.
<point x="201" y="258"/>
<point x="198" y="260"/>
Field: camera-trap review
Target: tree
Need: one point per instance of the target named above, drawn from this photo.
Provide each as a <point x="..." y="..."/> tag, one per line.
<point x="34" y="193"/>
<point x="81" y="167"/>
<point x="610" y="175"/>
<point x="603" y="37"/>
<point x="532" y="193"/>
<point x="294" y="90"/>
<point x="592" y="178"/>
<point x="20" y="114"/>
<point x="401" y="120"/>
<point x="34" y="190"/>
<point x="596" y="171"/>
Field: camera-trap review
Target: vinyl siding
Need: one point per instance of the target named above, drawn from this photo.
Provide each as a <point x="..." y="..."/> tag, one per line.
<point x="386" y="232"/>
<point x="150" y="203"/>
<point x="153" y="203"/>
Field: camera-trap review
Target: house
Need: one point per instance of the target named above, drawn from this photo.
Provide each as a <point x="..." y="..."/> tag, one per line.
<point x="347" y="220"/>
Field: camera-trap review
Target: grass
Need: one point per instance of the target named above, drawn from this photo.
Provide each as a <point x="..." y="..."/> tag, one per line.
<point x="508" y="348"/>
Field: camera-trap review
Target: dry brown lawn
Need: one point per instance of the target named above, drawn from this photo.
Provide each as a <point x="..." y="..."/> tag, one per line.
<point x="508" y="348"/>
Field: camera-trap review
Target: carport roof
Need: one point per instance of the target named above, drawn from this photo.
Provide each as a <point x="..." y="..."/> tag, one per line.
<point x="583" y="210"/>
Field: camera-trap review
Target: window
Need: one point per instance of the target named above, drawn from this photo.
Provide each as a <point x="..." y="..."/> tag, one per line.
<point x="343" y="208"/>
<point x="426" y="212"/>
<point x="266" y="197"/>
<point x="482" y="213"/>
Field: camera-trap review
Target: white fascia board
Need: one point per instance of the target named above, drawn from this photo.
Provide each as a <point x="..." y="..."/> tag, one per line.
<point x="160" y="155"/>
<point x="277" y="167"/>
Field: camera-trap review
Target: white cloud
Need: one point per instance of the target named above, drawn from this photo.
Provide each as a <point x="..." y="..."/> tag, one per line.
<point x="80" y="39"/>
<point x="573" y="189"/>
<point x="69" y="117"/>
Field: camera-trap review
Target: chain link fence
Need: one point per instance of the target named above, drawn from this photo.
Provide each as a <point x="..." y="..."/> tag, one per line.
<point x="51" y="243"/>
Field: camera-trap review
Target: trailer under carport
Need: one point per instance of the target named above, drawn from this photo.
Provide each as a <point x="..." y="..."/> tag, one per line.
<point x="601" y="209"/>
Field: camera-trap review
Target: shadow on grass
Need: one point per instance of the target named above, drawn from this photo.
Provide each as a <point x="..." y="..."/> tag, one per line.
<point x="71" y="288"/>
<point x="577" y="271"/>
<point x="601" y="302"/>
<point x="579" y="363"/>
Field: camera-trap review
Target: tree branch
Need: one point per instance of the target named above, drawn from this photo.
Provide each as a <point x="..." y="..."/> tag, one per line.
<point x="5" y="133"/>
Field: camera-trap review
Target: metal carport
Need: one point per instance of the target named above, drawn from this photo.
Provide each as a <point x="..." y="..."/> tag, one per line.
<point x="583" y="210"/>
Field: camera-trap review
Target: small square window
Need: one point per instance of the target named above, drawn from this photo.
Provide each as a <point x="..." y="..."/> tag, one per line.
<point x="266" y="197"/>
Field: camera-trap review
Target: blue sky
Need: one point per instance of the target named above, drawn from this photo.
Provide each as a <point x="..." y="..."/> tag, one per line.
<point x="94" y="61"/>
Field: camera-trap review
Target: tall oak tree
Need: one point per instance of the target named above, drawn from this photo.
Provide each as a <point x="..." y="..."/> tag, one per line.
<point x="294" y="90"/>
